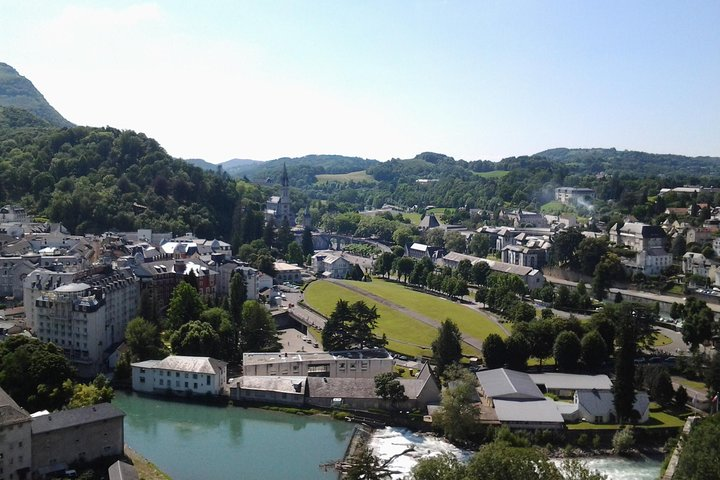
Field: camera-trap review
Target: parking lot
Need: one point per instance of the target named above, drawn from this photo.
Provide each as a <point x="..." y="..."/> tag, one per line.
<point x="295" y="341"/>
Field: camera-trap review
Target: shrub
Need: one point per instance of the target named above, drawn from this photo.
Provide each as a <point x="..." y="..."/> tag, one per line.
<point x="623" y="441"/>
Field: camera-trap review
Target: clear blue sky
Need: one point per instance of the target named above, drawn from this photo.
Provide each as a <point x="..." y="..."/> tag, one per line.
<point x="378" y="79"/>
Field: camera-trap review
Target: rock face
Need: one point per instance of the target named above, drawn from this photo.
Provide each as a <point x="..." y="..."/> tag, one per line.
<point x="19" y="92"/>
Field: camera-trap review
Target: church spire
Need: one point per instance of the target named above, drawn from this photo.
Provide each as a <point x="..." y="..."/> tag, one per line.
<point x="284" y="181"/>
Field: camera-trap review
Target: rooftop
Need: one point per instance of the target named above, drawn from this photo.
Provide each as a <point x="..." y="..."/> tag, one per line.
<point x="75" y="417"/>
<point x="543" y="410"/>
<point x="569" y="381"/>
<point x="506" y="383"/>
<point x="184" y="364"/>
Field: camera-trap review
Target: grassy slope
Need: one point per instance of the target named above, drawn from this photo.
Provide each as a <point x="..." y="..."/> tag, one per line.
<point x="359" y="176"/>
<point x="470" y="322"/>
<point x="493" y="174"/>
<point x="322" y="296"/>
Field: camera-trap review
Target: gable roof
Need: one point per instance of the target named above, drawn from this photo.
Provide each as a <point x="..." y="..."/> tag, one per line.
<point x="543" y="411"/>
<point x="569" y="381"/>
<point x="601" y="402"/>
<point x="10" y="412"/>
<point x="185" y="364"/>
<point x="508" y="384"/>
<point x="75" y="417"/>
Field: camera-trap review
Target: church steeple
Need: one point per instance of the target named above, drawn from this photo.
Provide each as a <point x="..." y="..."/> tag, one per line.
<point x="284" y="180"/>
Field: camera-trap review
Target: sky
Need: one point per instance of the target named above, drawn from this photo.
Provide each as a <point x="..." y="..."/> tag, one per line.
<point x="473" y="79"/>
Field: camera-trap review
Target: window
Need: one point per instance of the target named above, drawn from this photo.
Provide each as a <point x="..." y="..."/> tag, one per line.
<point x="142" y="379"/>
<point x="195" y="385"/>
<point x="186" y="384"/>
<point x="161" y="381"/>
<point x="177" y="374"/>
<point x="208" y="379"/>
<point x="195" y="376"/>
<point x="177" y="383"/>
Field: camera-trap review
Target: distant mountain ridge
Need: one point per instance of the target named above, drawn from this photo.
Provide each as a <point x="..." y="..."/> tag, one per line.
<point x="19" y="92"/>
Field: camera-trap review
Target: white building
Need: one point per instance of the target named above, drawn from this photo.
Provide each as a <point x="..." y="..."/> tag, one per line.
<point x="331" y="264"/>
<point x="287" y="272"/>
<point x="649" y="243"/>
<point x="573" y="195"/>
<point x="83" y="313"/>
<point x="256" y="281"/>
<point x="180" y="375"/>
<point x="532" y="277"/>
<point x="696" y="264"/>
<point x="348" y="364"/>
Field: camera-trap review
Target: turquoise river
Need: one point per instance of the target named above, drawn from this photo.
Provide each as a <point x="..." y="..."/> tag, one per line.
<point x="189" y="441"/>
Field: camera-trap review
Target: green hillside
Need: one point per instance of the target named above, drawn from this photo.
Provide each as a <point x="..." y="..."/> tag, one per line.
<point x="17" y="91"/>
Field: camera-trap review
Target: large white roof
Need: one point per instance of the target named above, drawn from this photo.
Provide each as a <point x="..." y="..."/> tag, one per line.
<point x="508" y="384"/>
<point x="543" y="411"/>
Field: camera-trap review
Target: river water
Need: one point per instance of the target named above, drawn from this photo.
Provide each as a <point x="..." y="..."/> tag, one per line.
<point x="190" y="441"/>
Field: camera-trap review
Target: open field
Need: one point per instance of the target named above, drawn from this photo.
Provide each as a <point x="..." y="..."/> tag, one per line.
<point x="413" y="217"/>
<point x="493" y="174"/>
<point x="439" y="211"/>
<point x="359" y="176"/>
<point x="553" y="208"/>
<point x="471" y="322"/>
<point x="658" y="419"/>
<point x="322" y="296"/>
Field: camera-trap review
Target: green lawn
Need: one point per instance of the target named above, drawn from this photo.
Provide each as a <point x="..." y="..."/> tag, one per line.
<point x="359" y="176"/>
<point x="322" y="296"/>
<point x="661" y="340"/>
<point x="553" y="207"/>
<point x="471" y="322"/>
<point x="690" y="383"/>
<point x="659" y="418"/>
<point x="493" y="174"/>
<point x="413" y="217"/>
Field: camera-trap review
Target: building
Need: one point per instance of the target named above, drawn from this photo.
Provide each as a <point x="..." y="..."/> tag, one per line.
<point x="428" y="222"/>
<point x="84" y="313"/>
<point x="420" y="250"/>
<point x="575" y="195"/>
<point x="83" y="434"/>
<point x="256" y="281"/>
<point x="648" y="241"/>
<point x="183" y="375"/>
<point x="277" y="208"/>
<point x="331" y="264"/>
<point x="598" y="406"/>
<point x="122" y="471"/>
<point x="287" y="272"/>
<point x="564" y="385"/>
<point x="15" y="439"/>
<point x="696" y="264"/>
<point x="13" y="213"/>
<point x="700" y="235"/>
<point x="347" y="364"/>
<point x="532" y="277"/>
<point x="269" y="389"/>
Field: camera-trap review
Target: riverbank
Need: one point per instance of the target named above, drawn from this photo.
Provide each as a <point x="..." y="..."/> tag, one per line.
<point x="145" y="469"/>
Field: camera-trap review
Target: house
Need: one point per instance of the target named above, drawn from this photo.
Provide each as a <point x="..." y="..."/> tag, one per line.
<point x="271" y="389"/>
<point x="15" y="439"/>
<point x="575" y="195"/>
<point x="648" y="241"/>
<point x="287" y="272"/>
<point x="331" y="264"/>
<point x="565" y="385"/>
<point x="77" y="435"/>
<point x="520" y="218"/>
<point x="696" y="264"/>
<point x="178" y="374"/>
<point x="598" y="406"/>
<point x="420" y="250"/>
<point x="348" y="364"/>
<point x="532" y="277"/>
<point x="517" y="402"/>
<point x="359" y="393"/>
<point x="84" y="313"/>
<point x="277" y="207"/>
<point x="13" y="213"/>
<point x="700" y="235"/>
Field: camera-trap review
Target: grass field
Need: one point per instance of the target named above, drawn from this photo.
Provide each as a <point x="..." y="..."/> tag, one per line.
<point x="471" y="323"/>
<point x="661" y="340"/>
<point x="493" y="174"/>
<point x="553" y="208"/>
<point x="413" y="217"/>
<point x="659" y="418"/>
<point x="359" y="176"/>
<point x="322" y="296"/>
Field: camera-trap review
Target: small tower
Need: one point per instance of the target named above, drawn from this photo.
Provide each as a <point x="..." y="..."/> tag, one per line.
<point x="283" y="211"/>
<point x="307" y="218"/>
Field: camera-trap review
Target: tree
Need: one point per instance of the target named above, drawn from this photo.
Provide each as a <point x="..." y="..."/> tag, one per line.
<point x="195" y="338"/>
<point x="697" y="323"/>
<point x="624" y="385"/>
<point x="384" y="263"/>
<point x="404" y="267"/>
<point x="258" y="332"/>
<point x="609" y="269"/>
<point x="678" y="247"/>
<point x="681" y="397"/>
<point x="540" y="334"/>
<point x="479" y="245"/>
<point x="143" y="340"/>
<point x="458" y="417"/>
<point x="295" y="254"/>
<point x="455" y="242"/>
<point x="567" y="350"/>
<point x="268" y="234"/>
<point x="594" y="351"/>
<point x="284" y="237"/>
<point x="351" y="326"/>
<point x="366" y="466"/>
<point x="562" y="297"/>
<point x="700" y="457"/>
<point x="712" y="375"/>
<point x="307" y="243"/>
<point x="266" y="264"/>
<point x="388" y="387"/>
<point x="480" y="273"/>
<point x="464" y="270"/>
<point x="444" y="466"/>
<point x="185" y="306"/>
<point x="589" y="253"/>
<point x="493" y="350"/>
<point x="446" y="347"/>
<point x="564" y="246"/>
<point x="623" y="441"/>
<point x="521" y="312"/>
<point x="500" y="461"/>
<point x="35" y="374"/>
<point x="435" y="237"/>
<point x="85" y="395"/>
<point x="658" y="383"/>
<point x="403" y="235"/>
<point x="518" y="351"/>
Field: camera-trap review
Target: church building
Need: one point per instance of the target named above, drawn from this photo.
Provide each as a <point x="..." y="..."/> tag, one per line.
<point x="278" y="207"/>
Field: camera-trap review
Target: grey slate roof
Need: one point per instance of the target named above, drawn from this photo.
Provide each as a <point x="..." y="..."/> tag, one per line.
<point x="122" y="471"/>
<point x="75" y="417"/>
<point x="508" y="384"/>
<point x="292" y="385"/>
<point x="600" y="403"/>
<point x="569" y="381"/>
<point x="341" y="387"/>
<point x="185" y="364"/>
<point x="543" y="411"/>
<point x="10" y="412"/>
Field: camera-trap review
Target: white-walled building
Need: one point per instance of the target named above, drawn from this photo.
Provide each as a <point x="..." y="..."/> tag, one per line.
<point x="348" y="364"/>
<point x="83" y="313"/>
<point x="15" y="439"/>
<point x="331" y="264"/>
<point x="571" y="195"/>
<point x="287" y="272"/>
<point x="180" y="375"/>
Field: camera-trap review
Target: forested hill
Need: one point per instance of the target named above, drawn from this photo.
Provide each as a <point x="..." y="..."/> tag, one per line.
<point x="98" y="179"/>
<point x="596" y="160"/>
<point x="18" y="91"/>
